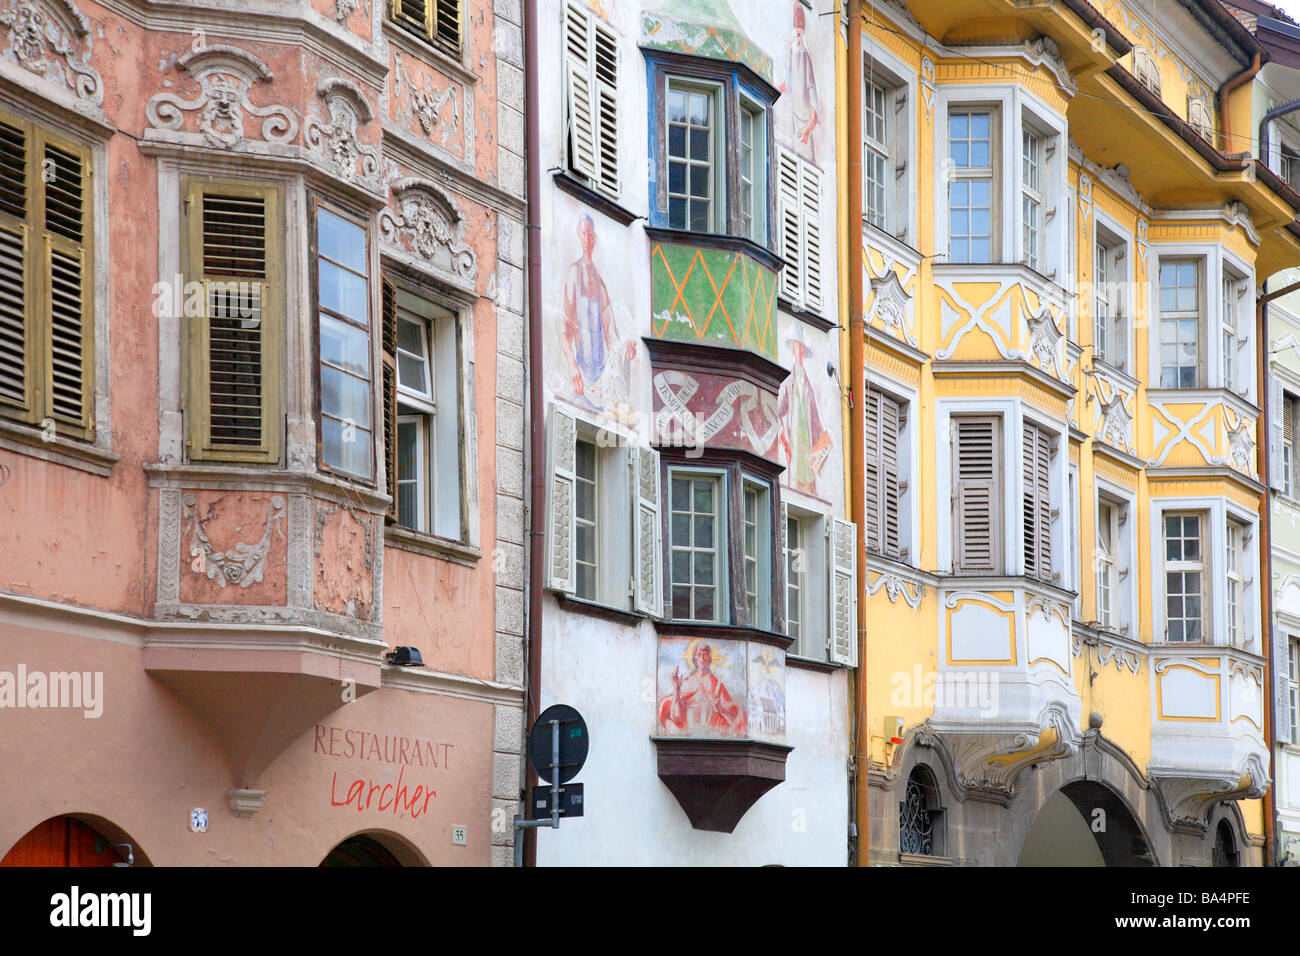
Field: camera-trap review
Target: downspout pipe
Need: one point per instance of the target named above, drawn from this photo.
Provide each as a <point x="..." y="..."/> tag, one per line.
<point x="1266" y="591"/>
<point x="1264" y="124"/>
<point x="1229" y="87"/>
<point x="857" y="437"/>
<point x="536" y="409"/>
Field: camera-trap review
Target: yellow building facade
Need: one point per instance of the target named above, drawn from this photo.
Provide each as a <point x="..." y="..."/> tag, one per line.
<point x="1063" y="656"/>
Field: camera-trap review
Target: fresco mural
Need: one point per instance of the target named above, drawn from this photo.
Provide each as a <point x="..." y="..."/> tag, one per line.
<point x="691" y="410"/>
<point x="806" y="444"/>
<point x="704" y="692"/>
<point x="766" y="692"/>
<point x="799" y="111"/>
<point x="591" y="358"/>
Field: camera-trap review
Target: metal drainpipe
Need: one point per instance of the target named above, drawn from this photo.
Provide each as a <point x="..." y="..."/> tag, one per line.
<point x="1271" y="115"/>
<point x="1245" y="76"/>
<point x="857" y="380"/>
<point x="1266" y="588"/>
<point x="536" y="410"/>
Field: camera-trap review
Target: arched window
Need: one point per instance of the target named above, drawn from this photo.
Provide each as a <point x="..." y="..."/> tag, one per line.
<point x="1146" y="69"/>
<point x="1200" y="118"/>
<point x="920" y="821"/>
<point x="1225" y="846"/>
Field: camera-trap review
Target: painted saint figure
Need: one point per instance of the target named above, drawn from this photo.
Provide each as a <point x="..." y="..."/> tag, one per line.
<point x="800" y="89"/>
<point x="700" y="701"/>
<point x="591" y="343"/>
<point x="804" y="441"/>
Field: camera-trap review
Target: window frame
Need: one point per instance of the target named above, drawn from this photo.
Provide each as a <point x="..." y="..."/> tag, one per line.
<point x="316" y="203"/>
<point x="730" y="84"/>
<point x="970" y="174"/>
<point x="760" y="612"/>
<point x="594" y="522"/>
<point x="1293" y="688"/>
<point x="1033" y="174"/>
<point x="1177" y="315"/>
<point x="899" y="80"/>
<point x="1112" y="246"/>
<point x="1184" y="566"/>
<point x="721" y="481"/>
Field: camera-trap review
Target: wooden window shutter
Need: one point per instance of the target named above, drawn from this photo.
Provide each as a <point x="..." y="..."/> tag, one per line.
<point x="445" y="31"/>
<point x="605" y="86"/>
<point x="1276" y="433"/>
<point x="647" y="532"/>
<point x="16" y="305"/>
<point x="234" y="234"/>
<point x="579" y="90"/>
<point x="873" y="477"/>
<point x="562" y="571"/>
<point x="412" y="14"/>
<point x="388" y="293"/>
<point x="810" y="190"/>
<point x="976" y="463"/>
<point x="65" y="285"/>
<point x="782" y="544"/>
<point x="790" y="232"/>
<point x="892" y="485"/>
<point x="1036" y="495"/>
<point x="1281" y="688"/>
<point x="844" y="592"/>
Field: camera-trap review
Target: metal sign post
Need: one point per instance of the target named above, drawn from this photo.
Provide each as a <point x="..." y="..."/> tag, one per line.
<point x="567" y="753"/>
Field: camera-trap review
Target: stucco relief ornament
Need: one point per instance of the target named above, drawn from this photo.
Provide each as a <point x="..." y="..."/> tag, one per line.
<point x="1116" y="423"/>
<point x="896" y="587"/>
<point x="1142" y="241"/>
<point x="1241" y="447"/>
<point x="1044" y="52"/>
<point x="432" y="225"/>
<point x="927" y="87"/>
<point x="428" y="104"/>
<point x="51" y="38"/>
<point x="890" y="305"/>
<point x="1085" y="199"/>
<point x="225" y="75"/>
<point x="1044" y="337"/>
<point x="243" y="563"/>
<point x="344" y="9"/>
<point x="337" y="140"/>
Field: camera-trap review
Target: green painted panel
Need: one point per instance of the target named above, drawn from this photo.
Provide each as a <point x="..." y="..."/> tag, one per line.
<point x="712" y="296"/>
<point x="703" y="28"/>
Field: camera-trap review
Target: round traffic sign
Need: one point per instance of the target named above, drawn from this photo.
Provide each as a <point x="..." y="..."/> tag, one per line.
<point x="573" y="742"/>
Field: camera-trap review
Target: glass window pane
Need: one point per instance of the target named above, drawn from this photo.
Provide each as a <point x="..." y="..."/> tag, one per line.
<point x="344" y="345"/>
<point x="343" y="292"/>
<point x="345" y="448"/>
<point x="344" y="396"/>
<point x="341" y="240"/>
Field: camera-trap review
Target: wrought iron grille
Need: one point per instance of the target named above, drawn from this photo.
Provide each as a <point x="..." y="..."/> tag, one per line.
<point x="916" y="823"/>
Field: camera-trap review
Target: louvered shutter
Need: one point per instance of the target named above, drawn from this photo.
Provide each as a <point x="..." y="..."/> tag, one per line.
<point x="562" y="513"/>
<point x="891" y="488"/>
<point x="975" y="492"/>
<point x="873" y="478"/>
<point x="65" y="284"/>
<point x="810" y="189"/>
<point x="605" y="86"/>
<point x="1281" y="688"/>
<point x="844" y="592"/>
<point x="782" y="547"/>
<point x="579" y="90"/>
<point x="1036" y="494"/>
<point x="389" y="295"/>
<point x="447" y="26"/>
<point x="787" y="182"/>
<point x="1276" y="434"/>
<point x="234" y="234"/>
<point x="412" y="14"/>
<point x="15" y="280"/>
<point x="647" y="533"/>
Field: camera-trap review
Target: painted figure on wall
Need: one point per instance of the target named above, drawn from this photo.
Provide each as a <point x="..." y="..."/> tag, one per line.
<point x="700" y="702"/>
<point x="804" y="442"/>
<point x="600" y="360"/>
<point x="767" y="693"/>
<point x="800" y="89"/>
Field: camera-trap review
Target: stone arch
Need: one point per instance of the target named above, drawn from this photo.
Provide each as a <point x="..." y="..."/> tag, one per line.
<point x="76" y="839"/>
<point x="374" y="848"/>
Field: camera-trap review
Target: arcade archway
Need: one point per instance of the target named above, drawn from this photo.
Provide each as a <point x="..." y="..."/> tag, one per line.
<point x="374" y="848"/>
<point x="75" y="841"/>
<point x="1085" y="823"/>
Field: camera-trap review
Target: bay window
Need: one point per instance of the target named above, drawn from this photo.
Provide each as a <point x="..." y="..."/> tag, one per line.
<point x="1184" y="576"/>
<point x="696" y="531"/>
<point x="343" y="301"/>
<point x="1181" y="312"/>
<point x="1235" y="584"/>
<point x="1110" y="301"/>
<point x="1031" y="198"/>
<point x="693" y="157"/>
<point x="1106" y="563"/>
<point x="971" y="155"/>
<point x="876" y="163"/>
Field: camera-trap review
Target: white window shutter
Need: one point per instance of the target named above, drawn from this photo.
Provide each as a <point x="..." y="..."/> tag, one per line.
<point x="1276" y="433"/>
<point x="872" y="478"/>
<point x="844" y="592"/>
<point x="975" y="495"/>
<point x="605" y="106"/>
<point x="562" y="574"/>
<point x="647" y="533"/>
<point x="892" y="490"/>
<point x="810" y="191"/>
<point x="1282" y="706"/>
<point x="579" y="91"/>
<point x="791" y="233"/>
<point x="781" y="545"/>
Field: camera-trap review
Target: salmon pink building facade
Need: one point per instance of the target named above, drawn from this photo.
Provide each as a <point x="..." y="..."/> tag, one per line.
<point x="261" y="422"/>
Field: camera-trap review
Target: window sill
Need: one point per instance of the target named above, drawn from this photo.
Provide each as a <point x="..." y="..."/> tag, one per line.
<point x="717" y="240"/>
<point x="571" y="184"/>
<point x="25" y="440"/>
<point x="812" y="664"/>
<point x="595" y="609"/>
<point x="735" y="632"/>
<point x="922" y="859"/>
<point x="1115" y="371"/>
<point x="395" y="32"/>
<point x="803" y="315"/>
<point x="421" y="542"/>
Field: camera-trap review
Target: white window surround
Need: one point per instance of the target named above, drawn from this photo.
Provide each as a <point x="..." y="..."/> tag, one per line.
<point x="814" y="635"/>
<point x="1014" y="107"/>
<point x="1215" y="261"/>
<point x="722" y="584"/>
<point x="1109" y="231"/>
<point x="1216" y="513"/>
<point x="909" y="506"/>
<point x="1125" y="594"/>
<point x="1014" y="415"/>
<point x="896" y="75"/>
